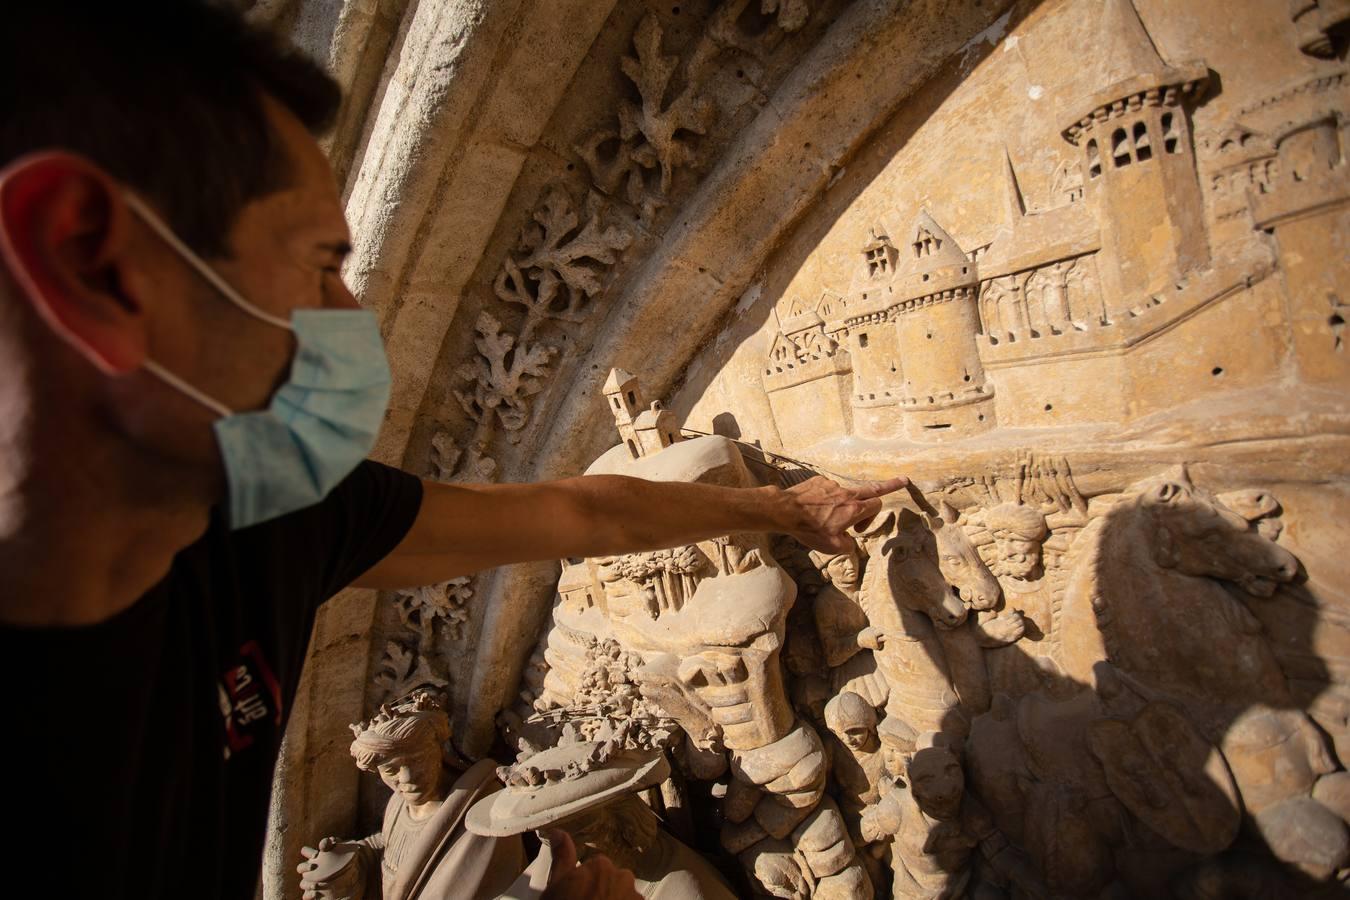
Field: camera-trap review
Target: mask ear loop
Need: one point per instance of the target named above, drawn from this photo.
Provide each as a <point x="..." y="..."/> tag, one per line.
<point x="173" y="380"/>
<point x="166" y="234"/>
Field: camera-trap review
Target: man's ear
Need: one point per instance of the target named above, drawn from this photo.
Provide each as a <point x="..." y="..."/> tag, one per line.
<point x="64" y="238"/>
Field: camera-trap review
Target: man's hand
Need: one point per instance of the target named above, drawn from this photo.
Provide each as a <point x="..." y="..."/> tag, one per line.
<point x="822" y="511"/>
<point x="595" y="879"/>
<point x="464" y="528"/>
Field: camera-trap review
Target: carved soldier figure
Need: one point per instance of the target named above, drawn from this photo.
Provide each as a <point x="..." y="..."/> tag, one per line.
<point x="838" y="615"/>
<point x="1019" y="532"/>
<point x="423" y="849"/>
<point x="858" y="764"/>
<point x="935" y="825"/>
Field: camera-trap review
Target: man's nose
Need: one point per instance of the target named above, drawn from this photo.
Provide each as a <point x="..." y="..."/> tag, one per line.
<point x="404" y="775"/>
<point x="337" y="296"/>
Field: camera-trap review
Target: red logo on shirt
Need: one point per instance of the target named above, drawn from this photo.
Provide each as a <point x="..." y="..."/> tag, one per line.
<point x="249" y="695"/>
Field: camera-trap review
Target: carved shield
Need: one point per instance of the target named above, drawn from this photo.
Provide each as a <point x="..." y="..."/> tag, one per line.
<point x="1169" y="776"/>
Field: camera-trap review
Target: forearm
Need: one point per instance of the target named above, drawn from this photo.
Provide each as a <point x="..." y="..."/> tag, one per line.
<point x="627" y="515"/>
<point x="466" y="528"/>
<point x="462" y="529"/>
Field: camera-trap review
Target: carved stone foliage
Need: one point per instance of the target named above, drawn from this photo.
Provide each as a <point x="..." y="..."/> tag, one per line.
<point x="660" y="132"/>
<point x="436" y="607"/>
<point x="656" y="135"/>
<point x="565" y="255"/>
<point x="403" y="668"/>
<point x="432" y="617"/>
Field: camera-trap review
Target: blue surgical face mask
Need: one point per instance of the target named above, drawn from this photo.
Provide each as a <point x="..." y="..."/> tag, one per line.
<point x="319" y="425"/>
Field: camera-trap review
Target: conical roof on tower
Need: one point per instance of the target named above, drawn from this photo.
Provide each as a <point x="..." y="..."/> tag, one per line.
<point x="931" y="247"/>
<point x="1015" y="203"/>
<point x="1126" y="62"/>
<point x="618" y="381"/>
<point x="932" y="261"/>
<point x="1126" y="49"/>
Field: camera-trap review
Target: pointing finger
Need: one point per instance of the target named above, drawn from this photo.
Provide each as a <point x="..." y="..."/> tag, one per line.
<point x="881" y="488"/>
<point x="866" y="510"/>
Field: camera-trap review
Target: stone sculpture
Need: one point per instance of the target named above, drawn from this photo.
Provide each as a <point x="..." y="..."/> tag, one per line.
<point x="1018" y="639"/>
<point x="590" y="788"/>
<point x="935" y="827"/>
<point x="1136" y="260"/>
<point x="422" y="850"/>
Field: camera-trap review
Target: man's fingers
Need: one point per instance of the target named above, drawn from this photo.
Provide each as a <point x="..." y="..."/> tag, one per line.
<point x="564" y="853"/>
<point x="866" y="511"/>
<point x="881" y="488"/>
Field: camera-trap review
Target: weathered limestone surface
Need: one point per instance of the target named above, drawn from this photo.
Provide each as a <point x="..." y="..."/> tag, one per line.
<point x="1078" y="267"/>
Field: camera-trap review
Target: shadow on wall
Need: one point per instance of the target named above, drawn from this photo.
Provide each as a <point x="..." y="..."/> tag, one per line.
<point x="1106" y="719"/>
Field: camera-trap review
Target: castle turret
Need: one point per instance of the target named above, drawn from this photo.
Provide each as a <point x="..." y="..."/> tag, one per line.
<point x="643" y="431"/>
<point x="1138" y="158"/>
<point x="944" y="394"/>
<point x="625" y="404"/>
<point x="871" y="339"/>
<point x="807" y="378"/>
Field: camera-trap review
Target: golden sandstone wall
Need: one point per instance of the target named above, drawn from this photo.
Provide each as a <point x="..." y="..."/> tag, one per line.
<point x="1077" y="267"/>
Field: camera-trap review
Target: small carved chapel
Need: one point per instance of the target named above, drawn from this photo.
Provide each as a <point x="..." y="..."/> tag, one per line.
<point x="1079" y="268"/>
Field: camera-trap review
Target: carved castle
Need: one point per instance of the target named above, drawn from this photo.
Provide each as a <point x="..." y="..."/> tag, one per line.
<point x="1052" y="320"/>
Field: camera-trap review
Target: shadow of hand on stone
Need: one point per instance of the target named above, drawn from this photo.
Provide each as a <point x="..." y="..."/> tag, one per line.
<point x="595" y="879"/>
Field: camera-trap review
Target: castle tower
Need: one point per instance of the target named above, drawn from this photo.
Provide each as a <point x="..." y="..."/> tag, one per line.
<point x="944" y="394"/>
<point x="871" y="339"/>
<point x="625" y="404"/>
<point x="1138" y="158"/>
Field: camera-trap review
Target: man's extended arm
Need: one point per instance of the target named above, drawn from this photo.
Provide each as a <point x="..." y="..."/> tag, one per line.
<point x="466" y="528"/>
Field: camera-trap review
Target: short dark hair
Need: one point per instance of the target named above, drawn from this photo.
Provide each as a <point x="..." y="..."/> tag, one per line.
<point x="166" y="95"/>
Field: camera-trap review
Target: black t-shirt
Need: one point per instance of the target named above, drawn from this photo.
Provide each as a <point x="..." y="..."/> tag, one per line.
<point x="139" y="751"/>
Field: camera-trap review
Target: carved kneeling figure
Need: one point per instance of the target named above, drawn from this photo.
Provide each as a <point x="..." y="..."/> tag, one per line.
<point x="590" y="790"/>
<point x="423" y="849"/>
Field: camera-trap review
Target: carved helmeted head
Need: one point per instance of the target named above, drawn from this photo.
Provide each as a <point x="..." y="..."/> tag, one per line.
<point x="1018" y="531"/>
<point x="844" y="570"/>
<point x="897" y="745"/>
<point x="1195" y="535"/>
<point x="853" y="720"/>
<point x="404" y="744"/>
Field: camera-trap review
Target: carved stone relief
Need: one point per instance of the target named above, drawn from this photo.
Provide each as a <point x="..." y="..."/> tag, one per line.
<point x="1049" y="672"/>
<point x="1024" y="687"/>
<point x="1106" y="239"/>
<point x="422" y="848"/>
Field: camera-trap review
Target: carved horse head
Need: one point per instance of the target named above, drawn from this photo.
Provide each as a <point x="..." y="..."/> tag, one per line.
<point x="1196" y="535"/>
<point x="904" y="565"/>
<point x="1147" y="593"/>
<point x="959" y="561"/>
